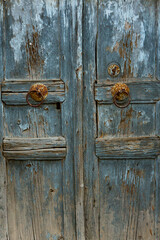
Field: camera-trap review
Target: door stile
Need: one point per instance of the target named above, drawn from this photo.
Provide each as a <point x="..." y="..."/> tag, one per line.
<point x="91" y="172"/>
<point x="3" y="209"/>
<point x="71" y="74"/>
<point x="78" y="121"/>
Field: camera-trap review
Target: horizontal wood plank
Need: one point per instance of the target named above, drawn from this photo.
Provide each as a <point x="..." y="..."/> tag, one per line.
<point x="34" y="148"/>
<point x="136" y="147"/>
<point x="24" y="86"/>
<point x="140" y="92"/>
<point x="14" y="93"/>
<point x="20" y="98"/>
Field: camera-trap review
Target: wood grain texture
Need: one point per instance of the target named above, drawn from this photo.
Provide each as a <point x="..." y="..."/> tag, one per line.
<point x="157" y="189"/>
<point x="127" y="35"/>
<point x="35" y="199"/>
<point x="144" y="147"/>
<point x="32" y="43"/>
<point x="127" y="199"/>
<point x="78" y="121"/>
<point x="3" y="205"/>
<point x="55" y="85"/>
<point x="28" y="122"/>
<point x="23" y="144"/>
<point x="91" y="178"/>
<point x="139" y="91"/>
<point x="135" y="120"/>
<point x="36" y="149"/>
<point x="14" y="99"/>
<point x="157" y="118"/>
<point x="68" y="21"/>
<point x="158" y="40"/>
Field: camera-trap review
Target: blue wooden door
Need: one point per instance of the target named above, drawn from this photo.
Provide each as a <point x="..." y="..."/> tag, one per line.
<point x="77" y="166"/>
<point x="121" y="146"/>
<point x="40" y="44"/>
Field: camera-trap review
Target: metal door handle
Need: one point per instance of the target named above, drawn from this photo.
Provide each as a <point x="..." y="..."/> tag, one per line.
<point x="38" y="92"/>
<point x="120" y="92"/>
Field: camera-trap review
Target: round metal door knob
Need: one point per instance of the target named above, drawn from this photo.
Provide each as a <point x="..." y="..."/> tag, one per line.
<point x="121" y="95"/>
<point x="38" y="92"/>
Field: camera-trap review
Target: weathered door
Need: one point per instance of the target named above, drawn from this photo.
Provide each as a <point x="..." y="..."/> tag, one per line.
<point x="40" y="43"/>
<point x="78" y="153"/>
<point x="121" y="146"/>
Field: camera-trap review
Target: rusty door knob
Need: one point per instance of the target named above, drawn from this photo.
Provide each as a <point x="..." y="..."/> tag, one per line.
<point x="120" y="93"/>
<point x="38" y="92"/>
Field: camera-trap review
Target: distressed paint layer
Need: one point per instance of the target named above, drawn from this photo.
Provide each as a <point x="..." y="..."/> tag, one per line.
<point x="127" y="34"/>
<point x="30" y="27"/>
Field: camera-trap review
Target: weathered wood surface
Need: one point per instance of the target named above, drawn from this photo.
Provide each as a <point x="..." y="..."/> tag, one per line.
<point x="38" y="154"/>
<point x="3" y="205"/>
<point x="14" y="99"/>
<point x="35" y="199"/>
<point x="144" y="147"/>
<point x="139" y="91"/>
<point x="135" y="120"/>
<point x="14" y="93"/>
<point x="23" y="144"/>
<point x="68" y="39"/>
<point x="36" y="149"/>
<point x="32" y="43"/>
<point x="91" y="174"/>
<point x="128" y="204"/>
<point x="158" y="117"/>
<point x="40" y="46"/>
<point x="29" y="122"/>
<point x="158" y="41"/>
<point x="55" y="85"/>
<point x="127" y="35"/>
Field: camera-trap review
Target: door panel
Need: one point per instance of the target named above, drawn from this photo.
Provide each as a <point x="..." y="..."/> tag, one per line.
<point x="122" y="184"/>
<point x="37" y="184"/>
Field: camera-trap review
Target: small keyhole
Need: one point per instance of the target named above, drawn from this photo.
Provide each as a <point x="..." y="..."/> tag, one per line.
<point x="58" y="106"/>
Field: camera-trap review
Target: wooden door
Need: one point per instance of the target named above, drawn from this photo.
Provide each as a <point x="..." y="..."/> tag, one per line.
<point x="122" y="146"/>
<point x="39" y="195"/>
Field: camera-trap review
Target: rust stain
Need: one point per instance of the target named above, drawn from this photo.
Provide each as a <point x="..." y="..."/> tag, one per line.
<point x="107" y="178"/>
<point x="29" y="165"/>
<point x="127" y="25"/>
<point x="151" y="232"/>
<point x="34" y="61"/>
<point x="125" y="123"/>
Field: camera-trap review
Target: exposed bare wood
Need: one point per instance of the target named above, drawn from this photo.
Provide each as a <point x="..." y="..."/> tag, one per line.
<point x="23" y="144"/>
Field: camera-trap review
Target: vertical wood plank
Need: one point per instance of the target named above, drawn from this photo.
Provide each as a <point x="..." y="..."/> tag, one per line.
<point x="89" y="120"/>
<point x="3" y="212"/>
<point x="78" y="123"/>
<point x="158" y="40"/>
<point x="158" y="118"/>
<point x="157" y="210"/>
<point x="71" y="73"/>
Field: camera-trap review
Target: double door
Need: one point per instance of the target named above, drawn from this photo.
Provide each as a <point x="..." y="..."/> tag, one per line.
<point x="78" y="166"/>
